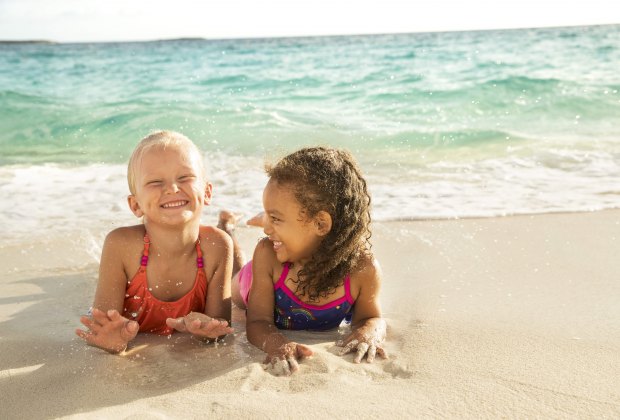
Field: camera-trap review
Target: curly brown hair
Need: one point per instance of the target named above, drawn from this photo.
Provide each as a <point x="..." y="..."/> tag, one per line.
<point x="330" y="180"/>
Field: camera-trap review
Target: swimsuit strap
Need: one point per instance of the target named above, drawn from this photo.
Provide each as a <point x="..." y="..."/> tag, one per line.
<point x="347" y="289"/>
<point x="199" y="261"/>
<point x="147" y="243"/>
<point x="145" y="253"/>
<point x="282" y="279"/>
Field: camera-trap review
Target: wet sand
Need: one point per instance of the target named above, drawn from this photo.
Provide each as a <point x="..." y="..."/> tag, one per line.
<point x="499" y="317"/>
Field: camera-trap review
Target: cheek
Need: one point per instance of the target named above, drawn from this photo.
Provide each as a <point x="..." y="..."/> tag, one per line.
<point x="198" y="190"/>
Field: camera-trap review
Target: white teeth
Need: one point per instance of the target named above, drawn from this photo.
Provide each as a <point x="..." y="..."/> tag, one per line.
<point x="174" y="204"/>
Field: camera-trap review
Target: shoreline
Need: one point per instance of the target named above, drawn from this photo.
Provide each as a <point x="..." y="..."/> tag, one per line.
<point x="491" y="317"/>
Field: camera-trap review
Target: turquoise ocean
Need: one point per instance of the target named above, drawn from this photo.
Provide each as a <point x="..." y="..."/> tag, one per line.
<point x="444" y="125"/>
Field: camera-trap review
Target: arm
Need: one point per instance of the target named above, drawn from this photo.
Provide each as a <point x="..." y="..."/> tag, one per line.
<point x="369" y="329"/>
<point x="107" y="329"/>
<point x="282" y="354"/>
<point x="214" y="323"/>
<point x="220" y="245"/>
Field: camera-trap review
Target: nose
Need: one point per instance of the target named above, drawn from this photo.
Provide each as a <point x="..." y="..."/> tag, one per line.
<point x="172" y="188"/>
<point x="267" y="228"/>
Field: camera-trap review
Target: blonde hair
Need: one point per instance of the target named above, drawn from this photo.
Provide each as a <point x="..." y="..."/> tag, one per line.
<point x="160" y="139"/>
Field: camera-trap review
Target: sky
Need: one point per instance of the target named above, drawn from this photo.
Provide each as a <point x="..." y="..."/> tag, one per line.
<point x="134" y="20"/>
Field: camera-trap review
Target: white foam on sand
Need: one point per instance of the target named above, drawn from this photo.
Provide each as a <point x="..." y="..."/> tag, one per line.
<point x="413" y="186"/>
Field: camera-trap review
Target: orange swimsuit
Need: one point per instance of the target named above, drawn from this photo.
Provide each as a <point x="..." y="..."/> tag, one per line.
<point x="150" y="312"/>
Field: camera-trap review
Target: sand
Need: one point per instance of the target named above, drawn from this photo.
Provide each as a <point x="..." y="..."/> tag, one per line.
<point x="500" y="317"/>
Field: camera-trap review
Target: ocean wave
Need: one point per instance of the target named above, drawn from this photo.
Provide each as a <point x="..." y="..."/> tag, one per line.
<point x="524" y="83"/>
<point x="428" y="184"/>
<point x="450" y="139"/>
<point x="11" y="98"/>
<point x="224" y="80"/>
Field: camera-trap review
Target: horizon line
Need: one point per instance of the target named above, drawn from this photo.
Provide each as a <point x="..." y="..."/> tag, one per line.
<point x="245" y="38"/>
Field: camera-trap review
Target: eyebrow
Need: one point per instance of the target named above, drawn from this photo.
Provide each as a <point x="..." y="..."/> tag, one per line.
<point x="184" y="171"/>
<point x="274" y="212"/>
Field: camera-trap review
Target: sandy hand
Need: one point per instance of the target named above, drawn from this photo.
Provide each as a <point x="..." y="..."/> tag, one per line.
<point x="283" y="361"/>
<point x="367" y="340"/>
<point x="108" y="330"/>
<point x="200" y="325"/>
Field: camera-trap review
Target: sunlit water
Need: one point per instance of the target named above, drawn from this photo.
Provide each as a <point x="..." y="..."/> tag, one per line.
<point x="444" y="125"/>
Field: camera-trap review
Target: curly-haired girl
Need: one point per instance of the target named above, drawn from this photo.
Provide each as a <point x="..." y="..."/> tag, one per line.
<point x="315" y="267"/>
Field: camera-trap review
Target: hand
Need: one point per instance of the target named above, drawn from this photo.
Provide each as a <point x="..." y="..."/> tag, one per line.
<point x="283" y="360"/>
<point x="108" y="330"/>
<point x="367" y="340"/>
<point x="200" y="325"/>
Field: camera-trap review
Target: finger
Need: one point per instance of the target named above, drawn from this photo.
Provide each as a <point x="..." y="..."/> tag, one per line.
<point x="381" y="352"/>
<point x="219" y="327"/>
<point x="282" y="368"/>
<point x="303" y="351"/>
<point x="86" y="321"/>
<point x="372" y="352"/>
<point x="90" y="324"/>
<point x="99" y="316"/>
<point x="350" y="346"/>
<point x="361" y="351"/>
<point x="293" y="365"/>
<point x="212" y="324"/>
<point x="176" y="323"/>
<point x="225" y="330"/>
<point x="82" y="334"/>
<point x="130" y="330"/>
<point x="343" y="342"/>
<point x="195" y="326"/>
<point x="88" y="336"/>
<point x="278" y="367"/>
<point x="113" y="315"/>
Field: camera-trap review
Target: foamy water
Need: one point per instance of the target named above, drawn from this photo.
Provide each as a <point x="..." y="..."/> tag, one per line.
<point x="56" y="198"/>
<point x="444" y="125"/>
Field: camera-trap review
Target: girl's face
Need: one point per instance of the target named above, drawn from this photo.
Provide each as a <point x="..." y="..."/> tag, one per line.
<point x="295" y="237"/>
<point x="169" y="186"/>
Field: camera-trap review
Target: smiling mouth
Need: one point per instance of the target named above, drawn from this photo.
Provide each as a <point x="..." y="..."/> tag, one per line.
<point x="276" y="245"/>
<point x="174" y="204"/>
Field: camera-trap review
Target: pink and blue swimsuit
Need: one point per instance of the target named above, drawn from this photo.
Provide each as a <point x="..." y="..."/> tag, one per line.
<point x="292" y="314"/>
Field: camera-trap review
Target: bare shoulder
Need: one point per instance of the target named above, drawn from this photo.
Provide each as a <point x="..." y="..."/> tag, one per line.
<point x="367" y="274"/>
<point x="265" y="260"/>
<point x="126" y="237"/>
<point x="368" y="266"/>
<point x="264" y="251"/>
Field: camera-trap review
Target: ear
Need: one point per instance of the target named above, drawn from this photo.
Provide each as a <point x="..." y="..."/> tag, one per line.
<point x="134" y="206"/>
<point x="323" y="222"/>
<point x="208" y="192"/>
